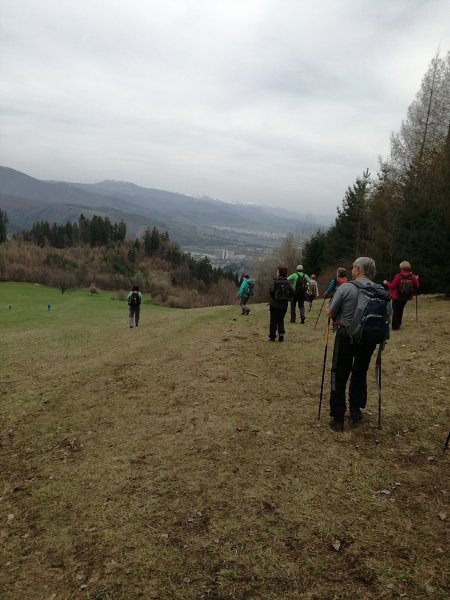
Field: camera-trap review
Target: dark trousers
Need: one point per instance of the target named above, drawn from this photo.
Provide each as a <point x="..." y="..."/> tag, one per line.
<point x="242" y="303"/>
<point x="301" y="306"/>
<point x="133" y="315"/>
<point x="277" y="315"/>
<point x="397" y="313"/>
<point x="349" y="358"/>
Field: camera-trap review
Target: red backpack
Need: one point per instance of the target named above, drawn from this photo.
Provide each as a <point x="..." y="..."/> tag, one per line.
<point x="405" y="287"/>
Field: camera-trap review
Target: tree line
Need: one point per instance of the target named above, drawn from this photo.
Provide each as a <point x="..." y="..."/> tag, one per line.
<point x="101" y="232"/>
<point x="3" y="226"/>
<point x="403" y="212"/>
<point x="97" y="231"/>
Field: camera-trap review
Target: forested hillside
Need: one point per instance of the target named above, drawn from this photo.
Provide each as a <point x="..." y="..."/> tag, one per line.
<point x="403" y="212"/>
<point x="95" y="253"/>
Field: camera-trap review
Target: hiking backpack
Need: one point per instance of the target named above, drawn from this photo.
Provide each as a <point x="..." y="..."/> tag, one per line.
<point x="311" y="288"/>
<point x="370" y="321"/>
<point x="134" y="300"/>
<point x="300" y="286"/>
<point x="405" y="287"/>
<point x="282" y="289"/>
<point x="250" y="289"/>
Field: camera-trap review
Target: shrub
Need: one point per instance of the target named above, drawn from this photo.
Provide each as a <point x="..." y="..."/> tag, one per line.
<point x="59" y="261"/>
<point x="118" y="264"/>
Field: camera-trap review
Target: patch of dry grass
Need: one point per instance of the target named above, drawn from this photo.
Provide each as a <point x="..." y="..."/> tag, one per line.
<point x="184" y="460"/>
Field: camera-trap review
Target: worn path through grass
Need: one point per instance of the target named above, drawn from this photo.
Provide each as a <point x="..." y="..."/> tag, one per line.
<point x="183" y="459"/>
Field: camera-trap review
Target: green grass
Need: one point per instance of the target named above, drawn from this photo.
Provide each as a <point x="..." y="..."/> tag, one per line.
<point x="183" y="460"/>
<point x="29" y="307"/>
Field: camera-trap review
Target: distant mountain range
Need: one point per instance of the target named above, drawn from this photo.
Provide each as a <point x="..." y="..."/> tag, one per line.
<point x="197" y="222"/>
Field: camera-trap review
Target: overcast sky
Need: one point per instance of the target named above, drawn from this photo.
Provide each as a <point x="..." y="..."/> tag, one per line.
<point x="279" y="102"/>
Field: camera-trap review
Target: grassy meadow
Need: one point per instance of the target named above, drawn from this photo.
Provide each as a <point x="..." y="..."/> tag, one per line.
<point x="184" y="460"/>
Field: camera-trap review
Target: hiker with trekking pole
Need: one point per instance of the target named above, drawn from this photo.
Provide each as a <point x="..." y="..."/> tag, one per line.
<point x="361" y="312"/>
<point x="402" y="289"/>
<point x="335" y="282"/>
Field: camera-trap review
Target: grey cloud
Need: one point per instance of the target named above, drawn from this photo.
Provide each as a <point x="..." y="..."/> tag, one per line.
<point x="277" y="101"/>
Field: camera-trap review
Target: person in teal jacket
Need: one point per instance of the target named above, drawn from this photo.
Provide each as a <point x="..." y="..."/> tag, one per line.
<point x="244" y="293"/>
<point x="134" y="299"/>
<point x="299" y="281"/>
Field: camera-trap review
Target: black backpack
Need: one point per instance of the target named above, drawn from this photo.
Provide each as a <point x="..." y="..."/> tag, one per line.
<point x="282" y="289"/>
<point x="250" y="289"/>
<point x="135" y="299"/>
<point x="370" y="321"/>
<point x="405" y="287"/>
<point x="300" y="286"/>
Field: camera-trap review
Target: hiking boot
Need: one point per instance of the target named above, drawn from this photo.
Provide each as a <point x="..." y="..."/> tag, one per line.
<point x="337" y="424"/>
<point x="248" y="311"/>
<point x="271" y="339"/>
<point x="356" y="414"/>
<point x="302" y="320"/>
<point x="281" y="338"/>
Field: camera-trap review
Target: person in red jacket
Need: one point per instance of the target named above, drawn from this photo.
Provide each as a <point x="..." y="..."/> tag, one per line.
<point x="401" y="288"/>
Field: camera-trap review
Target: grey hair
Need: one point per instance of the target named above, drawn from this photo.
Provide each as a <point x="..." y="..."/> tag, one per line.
<point x="366" y="266"/>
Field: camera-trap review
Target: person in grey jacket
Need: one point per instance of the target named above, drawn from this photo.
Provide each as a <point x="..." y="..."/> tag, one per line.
<point x="350" y="359"/>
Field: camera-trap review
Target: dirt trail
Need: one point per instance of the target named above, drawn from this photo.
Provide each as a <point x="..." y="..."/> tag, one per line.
<point x="184" y="460"/>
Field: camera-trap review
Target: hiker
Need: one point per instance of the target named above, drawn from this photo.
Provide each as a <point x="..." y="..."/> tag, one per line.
<point x="281" y="291"/>
<point x="299" y="281"/>
<point x="350" y="356"/>
<point x="312" y="291"/>
<point x="401" y="290"/>
<point x="244" y="293"/>
<point x="134" y="299"/>
<point x="335" y="282"/>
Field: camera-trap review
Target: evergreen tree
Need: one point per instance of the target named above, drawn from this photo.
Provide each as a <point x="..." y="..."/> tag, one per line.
<point x="84" y="229"/>
<point x="155" y="241"/>
<point x="348" y="237"/>
<point x="313" y="253"/>
<point x="121" y="231"/>
<point x="3" y="226"/>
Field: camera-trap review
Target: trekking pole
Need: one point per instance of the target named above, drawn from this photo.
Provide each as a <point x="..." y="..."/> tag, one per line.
<point x="323" y="370"/>
<point x="447" y="442"/>
<point x="417" y="318"/>
<point x="320" y="312"/>
<point x="378" y="381"/>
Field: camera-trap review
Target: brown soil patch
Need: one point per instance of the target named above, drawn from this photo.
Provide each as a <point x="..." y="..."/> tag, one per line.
<point x="184" y="460"/>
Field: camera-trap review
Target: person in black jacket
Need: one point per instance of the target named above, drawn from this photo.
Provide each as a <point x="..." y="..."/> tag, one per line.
<point x="281" y="291"/>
